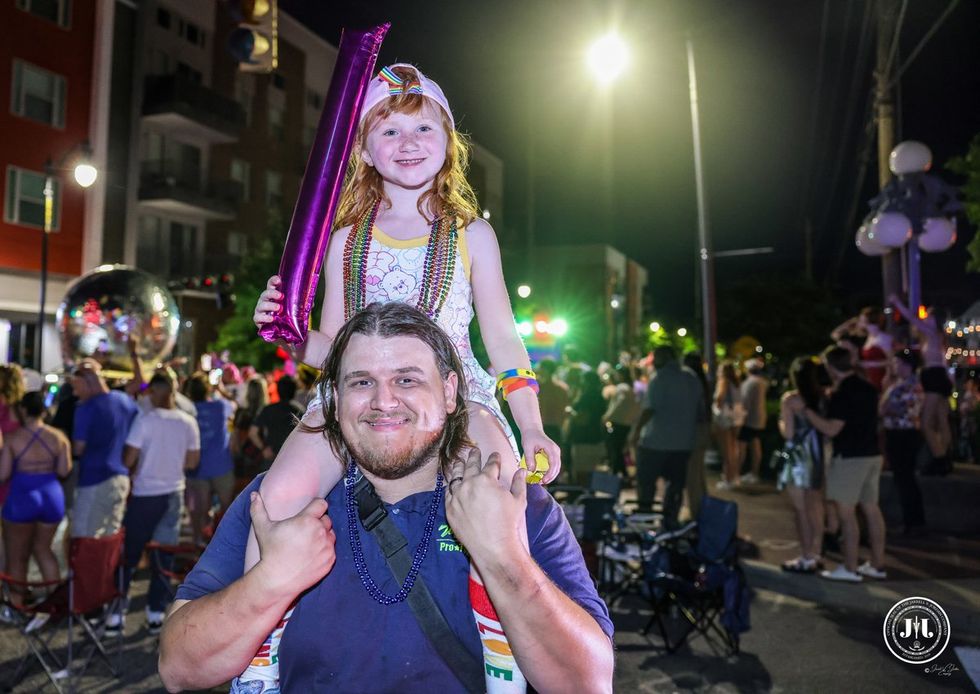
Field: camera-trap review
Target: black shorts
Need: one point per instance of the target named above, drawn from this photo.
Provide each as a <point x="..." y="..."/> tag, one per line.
<point x="934" y="379"/>
<point x="747" y="433"/>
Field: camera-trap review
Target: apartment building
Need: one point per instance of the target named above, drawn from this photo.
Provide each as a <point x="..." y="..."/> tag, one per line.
<point x="199" y="162"/>
<point x="47" y="120"/>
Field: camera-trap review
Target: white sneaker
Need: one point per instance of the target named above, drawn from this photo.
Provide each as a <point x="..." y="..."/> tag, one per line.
<point x="841" y="574"/>
<point x="154" y="621"/>
<point x="750" y="478"/>
<point x="723" y="485"/>
<point x="866" y="569"/>
<point x="114" y="623"/>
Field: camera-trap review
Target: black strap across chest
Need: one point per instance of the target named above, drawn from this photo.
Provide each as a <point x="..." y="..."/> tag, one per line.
<point x="374" y="517"/>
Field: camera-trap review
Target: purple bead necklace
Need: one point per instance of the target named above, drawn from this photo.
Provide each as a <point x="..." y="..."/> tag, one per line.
<point x="353" y="527"/>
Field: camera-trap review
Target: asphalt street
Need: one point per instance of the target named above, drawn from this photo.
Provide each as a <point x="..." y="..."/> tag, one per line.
<point x="807" y="635"/>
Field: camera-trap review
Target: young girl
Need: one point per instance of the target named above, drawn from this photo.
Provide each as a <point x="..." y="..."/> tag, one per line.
<point x="410" y="231"/>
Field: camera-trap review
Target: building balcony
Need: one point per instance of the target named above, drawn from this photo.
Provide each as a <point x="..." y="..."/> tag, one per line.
<point x="169" y="186"/>
<point x="180" y="107"/>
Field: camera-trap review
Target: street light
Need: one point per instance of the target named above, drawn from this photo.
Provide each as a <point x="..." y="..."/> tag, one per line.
<point x="85" y="175"/>
<point x="654" y="326"/>
<point x="607" y="58"/>
<point x="914" y="212"/>
<point x="524" y="291"/>
<point x="682" y="332"/>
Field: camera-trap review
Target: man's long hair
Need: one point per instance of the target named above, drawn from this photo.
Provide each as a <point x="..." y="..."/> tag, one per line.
<point x="394" y="320"/>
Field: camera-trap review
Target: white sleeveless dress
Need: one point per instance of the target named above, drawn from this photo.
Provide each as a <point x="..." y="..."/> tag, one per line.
<point x="394" y="273"/>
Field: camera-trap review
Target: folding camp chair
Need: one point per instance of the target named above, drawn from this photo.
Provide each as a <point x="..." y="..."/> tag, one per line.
<point x="171" y="563"/>
<point x="694" y="572"/>
<point x="94" y="582"/>
<point x="590" y="509"/>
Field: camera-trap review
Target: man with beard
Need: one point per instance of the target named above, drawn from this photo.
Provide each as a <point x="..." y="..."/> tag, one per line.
<point x="395" y="409"/>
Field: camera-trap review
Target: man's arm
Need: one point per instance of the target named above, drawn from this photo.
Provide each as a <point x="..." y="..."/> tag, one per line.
<point x="131" y="456"/>
<point x="555" y="641"/>
<point x="255" y="436"/>
<point x="209" y="640"/>
<point x="827" y="427"/>
<point x="646" y="414"/>
<point x="191" y="459"/>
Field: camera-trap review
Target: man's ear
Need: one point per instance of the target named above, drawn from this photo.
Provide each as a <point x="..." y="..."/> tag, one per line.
<point x="336" y="409"/>
<point x="450" y="385"/>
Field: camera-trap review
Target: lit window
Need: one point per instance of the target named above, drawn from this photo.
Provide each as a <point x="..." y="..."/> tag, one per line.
<point x="241" y="172"/>
<point x="273" y="189"/>
<point x="276" y="126"/>
<point x="236" y="244"/>
<point x="38" y="94"/>
<point x="245" y="94"/>
<point x="24" y="201"/>
<point x="57" y="11"/>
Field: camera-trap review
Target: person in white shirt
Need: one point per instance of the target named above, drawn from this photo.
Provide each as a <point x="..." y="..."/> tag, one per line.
<point x="753" y="391"/>
<point x="162" y="443"/>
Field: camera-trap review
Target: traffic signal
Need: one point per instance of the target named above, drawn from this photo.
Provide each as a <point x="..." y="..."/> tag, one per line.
<point x="255" y="42"/>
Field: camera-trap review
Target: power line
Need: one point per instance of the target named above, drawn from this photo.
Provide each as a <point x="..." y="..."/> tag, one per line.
<point x="922" y="43"/>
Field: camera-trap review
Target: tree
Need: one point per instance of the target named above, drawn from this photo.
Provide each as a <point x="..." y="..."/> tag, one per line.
<point x="968" y="165"/>
<point x="789" y="315"/>
<point x="238" y="335"/>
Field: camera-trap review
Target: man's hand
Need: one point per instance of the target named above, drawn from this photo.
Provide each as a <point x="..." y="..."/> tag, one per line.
<point x="295" y="552"/>
<point x="487" y="517"/>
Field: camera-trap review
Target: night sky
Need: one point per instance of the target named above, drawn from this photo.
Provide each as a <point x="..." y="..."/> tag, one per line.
<point x="781" y="136"/>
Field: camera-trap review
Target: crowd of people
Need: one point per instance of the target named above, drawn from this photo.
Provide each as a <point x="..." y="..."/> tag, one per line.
<point x="100" y="454"/>
<point x="865" y="403"/>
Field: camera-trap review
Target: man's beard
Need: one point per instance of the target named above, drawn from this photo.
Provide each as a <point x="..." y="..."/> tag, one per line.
<point x="390" y="464"/>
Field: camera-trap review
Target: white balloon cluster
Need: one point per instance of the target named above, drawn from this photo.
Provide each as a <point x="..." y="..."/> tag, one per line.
<point x="890" y="229"/>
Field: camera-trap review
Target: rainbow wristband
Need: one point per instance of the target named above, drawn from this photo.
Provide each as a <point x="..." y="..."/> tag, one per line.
<point x="515" y="379"/>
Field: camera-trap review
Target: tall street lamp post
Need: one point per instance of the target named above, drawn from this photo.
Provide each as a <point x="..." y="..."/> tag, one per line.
<point x="85" y="175"/>
<point x="706" y="258"/>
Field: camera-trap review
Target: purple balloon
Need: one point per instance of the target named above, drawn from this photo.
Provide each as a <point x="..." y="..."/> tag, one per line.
<point x="319" y="194"/>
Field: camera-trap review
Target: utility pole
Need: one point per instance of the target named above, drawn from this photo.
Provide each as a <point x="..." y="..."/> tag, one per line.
<point x="891" y="262"/>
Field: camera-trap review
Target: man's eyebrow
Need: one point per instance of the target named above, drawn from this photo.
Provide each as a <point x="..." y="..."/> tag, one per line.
<point x="402" y="370"/>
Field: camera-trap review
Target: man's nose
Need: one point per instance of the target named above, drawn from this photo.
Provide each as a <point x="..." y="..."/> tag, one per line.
<point x="384" y="397"/>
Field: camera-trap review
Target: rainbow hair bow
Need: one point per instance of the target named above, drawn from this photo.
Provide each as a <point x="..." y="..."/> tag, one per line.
<point x="396" y="85"/>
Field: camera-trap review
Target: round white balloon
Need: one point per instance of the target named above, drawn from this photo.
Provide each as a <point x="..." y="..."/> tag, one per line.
<point x="891" y="229"/>
<point x="938" y="234"/>
<point x="910" y="157"/>
<point x="866" y="245"/>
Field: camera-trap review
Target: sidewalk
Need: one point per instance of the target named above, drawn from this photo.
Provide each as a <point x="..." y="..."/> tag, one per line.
<point x="940" y="566"/>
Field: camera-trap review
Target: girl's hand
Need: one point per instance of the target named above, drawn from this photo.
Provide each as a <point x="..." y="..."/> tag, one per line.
<point x="269" y="303"/>
<point x="535" y="440"/>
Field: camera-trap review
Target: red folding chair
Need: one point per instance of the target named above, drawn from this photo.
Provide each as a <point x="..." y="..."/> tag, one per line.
<point x="94" y="582"/>
<point x="171" y="563"/>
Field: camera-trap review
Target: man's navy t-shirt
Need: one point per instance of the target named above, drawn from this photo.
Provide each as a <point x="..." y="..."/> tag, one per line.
<point x="855" y="402"/>
<point x="340" y="639"/>
<point x="103" y="422"/>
